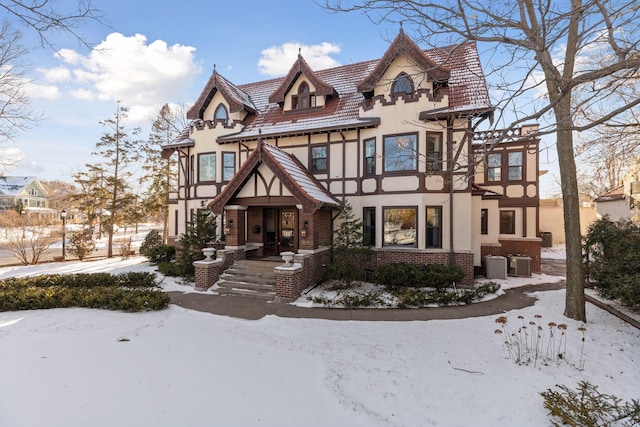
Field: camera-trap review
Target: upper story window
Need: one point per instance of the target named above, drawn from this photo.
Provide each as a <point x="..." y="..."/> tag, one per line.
<point x="494" y="167"/>
<point x="402" y="84"/>
<point x="228" y="166"/>
<point x="221" y="113"/>
<point x="434" y="152"/>
<point x="304" y="99"/>
<point x="370" y="156"/>
<point x="319" y="158"/>
<point x="401" y="153"/>
<point x="32" y="192"/>
<point x="207" y="167"/>
<point x="515" y="166"/>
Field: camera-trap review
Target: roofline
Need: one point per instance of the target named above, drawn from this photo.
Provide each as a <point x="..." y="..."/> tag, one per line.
<point x="374" y="122"/>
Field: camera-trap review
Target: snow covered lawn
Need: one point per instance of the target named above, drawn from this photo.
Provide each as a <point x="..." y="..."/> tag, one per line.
<point x="78" y="367"/>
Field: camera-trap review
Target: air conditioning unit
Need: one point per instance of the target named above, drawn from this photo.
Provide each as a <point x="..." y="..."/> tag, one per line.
<point x="495" y="267"/>
<point x="519" y="265"/>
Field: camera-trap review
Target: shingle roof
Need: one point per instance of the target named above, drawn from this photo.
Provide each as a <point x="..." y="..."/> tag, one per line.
<point x="617" y="194"/>
<point x="304" y="187"/>
<point x="13" y="185"/>
<point x="468" y="93"/>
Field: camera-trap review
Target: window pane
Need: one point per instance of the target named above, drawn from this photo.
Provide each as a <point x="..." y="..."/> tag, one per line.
<point x="494" y="170"/>
<point x="402" y="84"/>
<point x="228" y="166"/>
<point x="494" y="160"/>
<point x="369" y="227"/>
<point x="221" y="113"/>
<point x="319" y="158"/>
<point x="370" y="156"/>
<point x="207" y="167"/>
<point x="434" y="152"/>
<point x="400" y="226"/>
<point x="400" y="153"/>
<point x="515" y="166"/>
<point x="434" y="228"/>
<point x="507" y="222"/>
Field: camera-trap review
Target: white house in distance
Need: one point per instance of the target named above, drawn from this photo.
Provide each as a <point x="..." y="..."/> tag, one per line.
<point x="392" y="136"/>
<point x="623" y="203"/>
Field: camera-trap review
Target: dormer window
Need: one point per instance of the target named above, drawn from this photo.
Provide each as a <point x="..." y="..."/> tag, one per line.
<point x="221" y="113"/>
<point x="304" y="99"/>
<point x="402" y="84"/>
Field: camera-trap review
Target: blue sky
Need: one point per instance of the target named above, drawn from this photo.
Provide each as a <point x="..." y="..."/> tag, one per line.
<point x="147" y="54"/>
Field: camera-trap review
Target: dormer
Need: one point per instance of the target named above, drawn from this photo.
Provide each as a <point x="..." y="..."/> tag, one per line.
<point x="301" y="89"/>
<point x="403" y="71"/>
<point x="219" y="100"/>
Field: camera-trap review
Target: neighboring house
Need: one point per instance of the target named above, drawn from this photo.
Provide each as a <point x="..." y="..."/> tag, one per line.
<point x="623" y="203"/>
<point x="393" y="137"/>
<point x="552" y="218"/>
<point x="26" y="190"/>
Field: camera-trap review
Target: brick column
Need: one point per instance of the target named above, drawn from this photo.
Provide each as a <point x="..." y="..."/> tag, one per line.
<point x="208" y="272"/>
<point x="289" y="282"/>
<point x="235" y="222"/>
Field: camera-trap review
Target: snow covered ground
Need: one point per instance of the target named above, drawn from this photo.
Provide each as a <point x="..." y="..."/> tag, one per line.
<point x="79" y="367"/>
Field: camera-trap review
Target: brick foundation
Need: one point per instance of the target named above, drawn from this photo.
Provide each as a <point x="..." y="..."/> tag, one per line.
<point x="464" y="260"/>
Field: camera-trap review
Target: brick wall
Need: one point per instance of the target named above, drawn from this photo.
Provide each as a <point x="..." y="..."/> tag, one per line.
<point x="464" y="260"/>
<point x="529" y="247"/>
<point x="254" y="217"/>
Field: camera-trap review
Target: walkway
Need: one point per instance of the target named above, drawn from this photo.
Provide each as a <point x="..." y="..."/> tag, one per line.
<point x="254" y="309"/>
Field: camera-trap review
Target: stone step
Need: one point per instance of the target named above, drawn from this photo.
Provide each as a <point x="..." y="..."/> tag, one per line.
<point x="233" y="270"/>
<point x="230" y="282"/>
<point x="267" y="296"/>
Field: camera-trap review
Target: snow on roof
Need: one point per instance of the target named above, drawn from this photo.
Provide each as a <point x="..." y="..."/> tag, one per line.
<point x="301" y="176"/>
<point x="13" y="185"/>
<point x="466" y="87"/>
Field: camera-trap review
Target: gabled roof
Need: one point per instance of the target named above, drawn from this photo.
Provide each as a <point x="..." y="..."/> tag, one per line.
<point x="14" y="185"/>
<point x="294" y="176"/>
<point x="301" y="67"/>
<point x="611" y="196"/>
<point x="237" y="99"/>
<point x="467" y="90"/>
<point x="402" y="44"/>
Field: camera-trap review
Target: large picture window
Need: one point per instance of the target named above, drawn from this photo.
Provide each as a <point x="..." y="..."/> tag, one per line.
<point x="400" y="153"/>
<point x="434" y="226"/>
<point x="207" y="167"/>
<point x="400" y="227"/>
<point x="434" y="152"/>
<point x="228" y="166"/>
<point x="515" y="166"/>
<point x="370" y="156"/>
<point x="319" y="158"/>
<point x="507" y="222"/>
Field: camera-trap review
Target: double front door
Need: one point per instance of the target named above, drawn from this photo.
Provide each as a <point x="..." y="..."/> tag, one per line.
<point x="280" y="230"/>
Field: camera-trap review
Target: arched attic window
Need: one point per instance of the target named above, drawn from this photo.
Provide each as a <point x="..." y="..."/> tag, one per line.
<point x="221" y="113"/>
<point x="402" y="84"/>
<point x="304" y="99"/>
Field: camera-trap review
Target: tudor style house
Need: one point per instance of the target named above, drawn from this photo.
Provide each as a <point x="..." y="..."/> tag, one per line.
<point x="394" y="137"/>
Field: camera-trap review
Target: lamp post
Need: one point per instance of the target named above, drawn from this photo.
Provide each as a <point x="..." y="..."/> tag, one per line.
<point x="63" y="216"/>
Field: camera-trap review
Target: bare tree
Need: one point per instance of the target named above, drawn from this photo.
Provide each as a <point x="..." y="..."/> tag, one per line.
<point x="29" y="237"/>
<point x="15" y="111"/>
<point x="45" y="18"/>
<point x="542" y="50"/>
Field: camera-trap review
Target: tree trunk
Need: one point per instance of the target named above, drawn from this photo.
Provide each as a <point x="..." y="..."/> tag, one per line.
<point x="574" y="306"/>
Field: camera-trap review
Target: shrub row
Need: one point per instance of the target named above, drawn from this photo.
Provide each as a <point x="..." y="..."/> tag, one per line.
<point x="83" y="280"/>
<point x="407" y="297"/>
<point x="128" y="292"/>
<point x="398" y="275"/>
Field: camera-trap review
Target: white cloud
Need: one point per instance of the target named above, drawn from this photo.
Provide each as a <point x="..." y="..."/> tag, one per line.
<point x="47" y="92"/>
<point x="142" y="75"/>
<point x="11" y="157"/>
<point x="277" y="60"/>
<point x="57" y="74"/>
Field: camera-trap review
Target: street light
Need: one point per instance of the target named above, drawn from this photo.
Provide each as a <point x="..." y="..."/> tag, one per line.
<point x="63" y="216"/>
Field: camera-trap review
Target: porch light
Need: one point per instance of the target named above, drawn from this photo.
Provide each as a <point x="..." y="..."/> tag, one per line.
<point x="227" y="227"/>
<point x="303" y="232"/>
